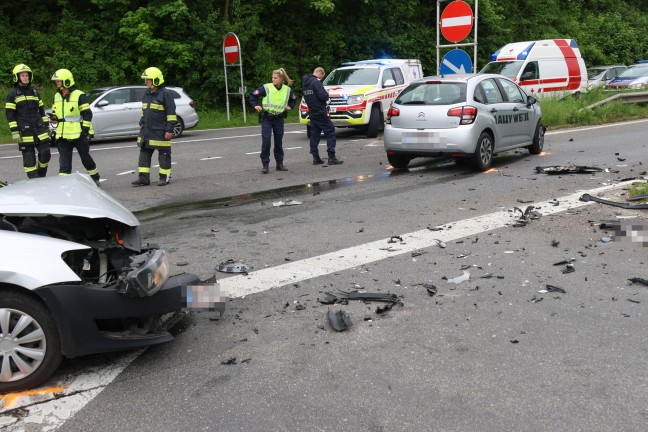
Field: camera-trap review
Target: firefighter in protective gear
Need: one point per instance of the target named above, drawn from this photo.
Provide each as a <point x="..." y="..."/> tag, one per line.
<point x="156" y="128"/>
<point x="273" y="101"/>
<point x="72" y="111"/>
<point x="28" y="122"/>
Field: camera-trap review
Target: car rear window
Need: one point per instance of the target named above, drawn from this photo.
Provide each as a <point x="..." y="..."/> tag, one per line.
<point x="433" y="93"/>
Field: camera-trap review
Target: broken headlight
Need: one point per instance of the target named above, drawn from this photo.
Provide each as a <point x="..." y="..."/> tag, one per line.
<point x="148" y="278"/>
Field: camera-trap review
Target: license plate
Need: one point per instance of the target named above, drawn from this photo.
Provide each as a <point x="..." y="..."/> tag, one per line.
<point x="332" y="109"/>
<point x="432" y="139"/>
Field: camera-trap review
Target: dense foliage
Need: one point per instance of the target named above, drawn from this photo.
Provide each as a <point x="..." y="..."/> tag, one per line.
<point x="108" y="42"/>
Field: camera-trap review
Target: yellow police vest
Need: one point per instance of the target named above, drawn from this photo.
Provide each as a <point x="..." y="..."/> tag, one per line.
<point x="275" y="101"/>
<point x="69" y="116"/>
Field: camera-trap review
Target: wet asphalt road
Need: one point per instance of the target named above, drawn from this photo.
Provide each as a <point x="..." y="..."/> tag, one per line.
<point x="487" y="354"/>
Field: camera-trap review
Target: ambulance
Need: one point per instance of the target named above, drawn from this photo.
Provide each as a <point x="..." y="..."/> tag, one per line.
<point x="361" y="92"/>
<point x="543" y="68"/>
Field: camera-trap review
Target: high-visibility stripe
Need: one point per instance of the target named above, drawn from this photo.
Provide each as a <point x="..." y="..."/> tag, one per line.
<point x="28" y="139"/>
<point x="43" y="164"/>
<point x="43" y="136"/>
<point x="144" y="170"/>
<point x="13" y="124"/>
<point x="93" y="172"/>
<point x="31" y="169"/>
<point x="172" y="117"/>
<point x="10" y="105"/>
<point x="159" y="143"/>
<point x="165" y="171"/>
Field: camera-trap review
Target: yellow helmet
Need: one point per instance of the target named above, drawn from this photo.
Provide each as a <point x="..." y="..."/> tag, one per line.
<point x="153" y="74"/>
<point x="21" y="68"/>
<point x="65" y="76"/>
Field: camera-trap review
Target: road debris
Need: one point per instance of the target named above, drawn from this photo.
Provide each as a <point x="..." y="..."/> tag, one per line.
<point x="568" y="169"/>
<point x="288" y="202"/>
<point x="231" y="266"/>
<point x="639" y="281"/>
<point x="395" y="239"/>
<point x="441" y="244"/>
<point x="339" y="319"/>
<point x="459" y="279"/>
<point x="588" y="197"/>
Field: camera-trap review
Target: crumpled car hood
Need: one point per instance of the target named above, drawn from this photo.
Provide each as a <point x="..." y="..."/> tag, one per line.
<point x="71" y="195"/>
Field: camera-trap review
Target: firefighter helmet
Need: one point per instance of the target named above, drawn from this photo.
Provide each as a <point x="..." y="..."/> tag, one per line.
<point x="154" y="74"/>
<point x="21" y="68"/>
<point x="65" y="76"/>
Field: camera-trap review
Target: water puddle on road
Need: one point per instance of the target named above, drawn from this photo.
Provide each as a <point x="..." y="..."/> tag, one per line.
<point x="237" y="200"/>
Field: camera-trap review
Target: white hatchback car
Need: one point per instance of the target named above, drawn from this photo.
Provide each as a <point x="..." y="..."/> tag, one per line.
<point x="462" y="116"/>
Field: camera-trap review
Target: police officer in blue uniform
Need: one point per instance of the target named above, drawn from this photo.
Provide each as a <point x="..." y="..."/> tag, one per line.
<point x="316" y="97"/>
<point x="273" y="101"/>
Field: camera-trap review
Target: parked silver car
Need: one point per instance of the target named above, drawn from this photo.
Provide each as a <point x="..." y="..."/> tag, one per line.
<point x="469" y="116"/>
<point x="116" y="110"/>
<point x="75" y="279"/>
<point x="599" y="76"/>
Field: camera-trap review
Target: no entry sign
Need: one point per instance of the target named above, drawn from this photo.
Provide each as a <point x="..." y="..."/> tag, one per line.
<point x="231" y="48"/>
<point x="456" y="21"/>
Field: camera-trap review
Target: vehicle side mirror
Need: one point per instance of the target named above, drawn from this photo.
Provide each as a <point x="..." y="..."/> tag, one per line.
<point x="102" y="103"/>
<point x="389" y="83"/>
<point x="526" y="76"/>
<point x="531" y="100"/>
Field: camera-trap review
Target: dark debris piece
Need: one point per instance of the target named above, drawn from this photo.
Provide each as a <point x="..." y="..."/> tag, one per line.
<point x="553" y="288"/>
<point x="394" y="239"/>
<point x="565" y="261"/>
<point x="568" y="169"/>
<point x="418" y="253"/>
<point x="639" y="280"/>
<point x="339" y="319"/>
<point x="490" y="276"/>
<point x="431" y="289"/>
<point x="229" y="361"/>
<point x="384" y="308"/>
<point x="555" y="243"/>
<point x="569" y="268"/>
<point x="633" y="301"/>
<point x="588" y="197"/>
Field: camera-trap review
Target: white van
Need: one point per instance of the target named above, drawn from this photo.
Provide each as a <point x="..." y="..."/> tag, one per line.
<point x="361" y="92"/>
<point x="552" y="67"/>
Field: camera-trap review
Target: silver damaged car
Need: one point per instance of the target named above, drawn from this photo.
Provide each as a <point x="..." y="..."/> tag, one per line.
<point x="470" y="117"/>
<point x="75" y="279"/>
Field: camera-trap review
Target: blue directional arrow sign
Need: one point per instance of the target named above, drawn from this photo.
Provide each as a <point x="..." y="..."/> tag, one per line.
<point x="456" y="62"/>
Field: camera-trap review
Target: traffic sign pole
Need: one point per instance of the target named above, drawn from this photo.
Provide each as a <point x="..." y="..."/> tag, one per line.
<point x="232" y="54"/>
<point x="455" y="23"/>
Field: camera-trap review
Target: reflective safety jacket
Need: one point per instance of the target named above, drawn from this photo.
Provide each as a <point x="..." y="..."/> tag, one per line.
<point x="158" y="117"/>
<point x="73" y="114"/>
<point x="26" y="114"/>
<point x="274" y="100"/>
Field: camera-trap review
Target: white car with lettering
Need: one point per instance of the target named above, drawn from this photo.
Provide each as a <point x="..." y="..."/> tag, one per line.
<point x="471" y="116"/>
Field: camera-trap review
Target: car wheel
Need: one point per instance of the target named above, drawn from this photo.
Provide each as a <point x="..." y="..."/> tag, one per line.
<point x="308" y="131"/>
<point x="374" y="122"/>
<point x="398" y="162"/>
<point x="483" y="152"/>
<point x="538" y="140"/>
<point x="30" y="345"/>
<point x="178" y="129"/>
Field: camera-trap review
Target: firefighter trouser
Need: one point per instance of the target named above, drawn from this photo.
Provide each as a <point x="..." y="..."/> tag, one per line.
<point x="33" y="167"/>
<point x="268" y="127"/>
<point x="82" y="145"/>
<point x="144" y="164"/>
<point x="319" y="124"/>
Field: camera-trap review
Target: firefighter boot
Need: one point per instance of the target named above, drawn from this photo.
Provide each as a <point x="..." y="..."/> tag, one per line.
<point x="142" y="180"/>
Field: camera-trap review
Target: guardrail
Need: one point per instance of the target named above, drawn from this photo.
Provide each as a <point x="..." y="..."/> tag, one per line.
<point x="636" y="97"/>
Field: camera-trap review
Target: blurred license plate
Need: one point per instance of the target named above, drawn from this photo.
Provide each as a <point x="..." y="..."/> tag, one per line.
<point x="423" y="137"/>
<point x="332" y="109"/>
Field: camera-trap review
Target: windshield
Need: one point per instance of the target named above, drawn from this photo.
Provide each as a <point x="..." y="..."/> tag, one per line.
<point x="94" y="94"/>
<point x="635" y="71"/>
<point x="363" y="76"/>
<point x="432" y="93"/>
<point x="595" y="73"/>
<point x="509" y="69"/>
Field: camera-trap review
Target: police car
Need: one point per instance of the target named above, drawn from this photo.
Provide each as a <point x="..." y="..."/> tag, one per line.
<point x="469" y="116"/>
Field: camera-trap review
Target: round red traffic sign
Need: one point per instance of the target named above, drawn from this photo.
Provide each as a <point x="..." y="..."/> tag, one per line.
<point x="456" y="21"/>
<point x="231" y="48"/>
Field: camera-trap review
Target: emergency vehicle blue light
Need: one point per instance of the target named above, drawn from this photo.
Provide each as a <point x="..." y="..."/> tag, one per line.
<point x="495" y="54"/>
<point x="573" y="44"/>
<point x="525" y="52"/>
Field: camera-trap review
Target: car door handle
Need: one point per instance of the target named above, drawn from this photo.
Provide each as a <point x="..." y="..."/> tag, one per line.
<point x="516" y="109"/>
<point x="493" y="110"/>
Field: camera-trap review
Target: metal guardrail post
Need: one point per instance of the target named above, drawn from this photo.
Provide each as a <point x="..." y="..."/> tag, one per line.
<point x="638" y="97"/>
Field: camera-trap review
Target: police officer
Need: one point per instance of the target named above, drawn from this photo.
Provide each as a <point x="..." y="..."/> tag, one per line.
<point x="316" y="97"/>
<point x="156" y="128"/>
<point x="72" y="112"/>
<point x="276" y="100"/>
<point x="28" y="122"/>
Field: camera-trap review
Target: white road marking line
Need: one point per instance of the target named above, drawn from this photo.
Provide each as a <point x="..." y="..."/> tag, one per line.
<point x="125" y="172"/>
<point x="297" y="271"/>
<point x="211" y="157"/>
<point x="252" y="153"/>
<point x="292" y="148"/>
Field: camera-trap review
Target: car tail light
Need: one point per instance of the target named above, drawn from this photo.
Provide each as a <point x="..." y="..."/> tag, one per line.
<point x="468" y="114"/>
<point x="392" y="112"/>
<point x="192" y="104"/>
